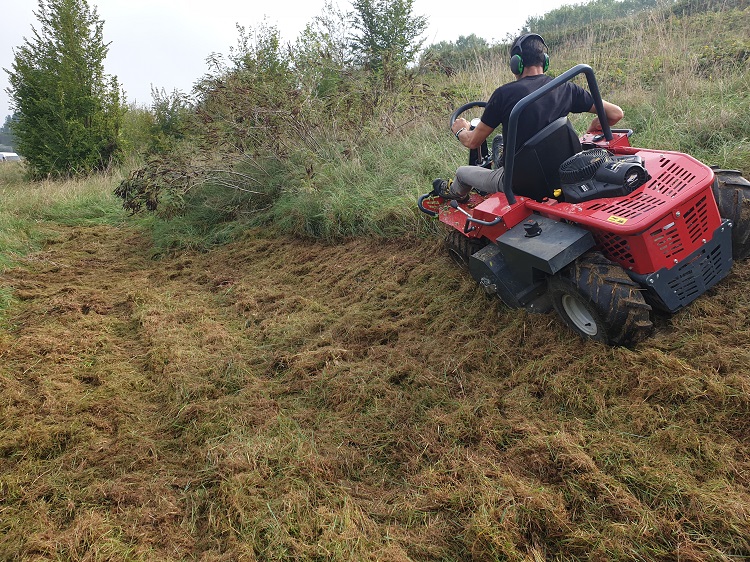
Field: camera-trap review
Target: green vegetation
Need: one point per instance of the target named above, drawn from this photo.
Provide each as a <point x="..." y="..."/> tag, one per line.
<point x="68" y="111"/>
<point x="274" y="360"/>
<point x="448" y="57"/>
<point x="581" y="15"/>
<point x="72" y="202"/>
<point x="387" y="36"/>
<point x="332" y="150"/>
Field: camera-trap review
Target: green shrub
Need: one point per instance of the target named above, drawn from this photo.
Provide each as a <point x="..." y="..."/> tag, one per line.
<point x="69" y="112"/>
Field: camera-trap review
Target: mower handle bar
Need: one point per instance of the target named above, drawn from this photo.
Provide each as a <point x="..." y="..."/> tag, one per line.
<point x="470" y="219"/>
<point x="423" y="208"/>
<point x="510" y="141"/>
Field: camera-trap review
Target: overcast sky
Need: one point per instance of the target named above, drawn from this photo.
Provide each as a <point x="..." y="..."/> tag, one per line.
<point x="165" y="43"/>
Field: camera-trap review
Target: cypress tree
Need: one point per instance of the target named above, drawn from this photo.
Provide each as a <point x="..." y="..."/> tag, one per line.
<point x="69" y="111"/>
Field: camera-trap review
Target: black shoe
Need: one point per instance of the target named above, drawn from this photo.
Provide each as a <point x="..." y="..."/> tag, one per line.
<point x="442" y="188"/>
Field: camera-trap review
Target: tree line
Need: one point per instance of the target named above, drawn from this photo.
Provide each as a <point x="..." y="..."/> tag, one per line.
<point x="71" y="117"/>
<point x="584" y="14"/>
<point x="69" y="114"/>
<point x="6" y="135"/>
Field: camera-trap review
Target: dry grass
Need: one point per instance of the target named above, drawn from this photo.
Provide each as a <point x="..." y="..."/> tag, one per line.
<point x="278" y="399"/>
<point x="284" y="400"/>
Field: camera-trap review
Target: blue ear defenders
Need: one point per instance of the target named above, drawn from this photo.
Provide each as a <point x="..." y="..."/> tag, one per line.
<point x="516" y="54"/>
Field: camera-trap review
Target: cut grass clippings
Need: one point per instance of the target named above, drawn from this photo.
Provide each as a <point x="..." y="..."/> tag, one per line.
<point x="278" y="399"/>
<point x="260" y="397"/>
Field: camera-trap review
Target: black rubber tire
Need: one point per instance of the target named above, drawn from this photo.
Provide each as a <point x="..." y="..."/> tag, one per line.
<point x="460" y="247"/>
<point x="732" y="194"/>
<point x="597" y="299"/>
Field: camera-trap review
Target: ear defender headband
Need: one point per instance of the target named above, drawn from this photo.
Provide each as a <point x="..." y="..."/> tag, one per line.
<point x="516" y="58"/>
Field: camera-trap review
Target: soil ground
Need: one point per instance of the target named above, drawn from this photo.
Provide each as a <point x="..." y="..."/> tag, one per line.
<point x="289" y="400"/>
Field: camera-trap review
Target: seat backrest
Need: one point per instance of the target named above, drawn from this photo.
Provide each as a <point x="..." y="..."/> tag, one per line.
<point x="536" y="170"/>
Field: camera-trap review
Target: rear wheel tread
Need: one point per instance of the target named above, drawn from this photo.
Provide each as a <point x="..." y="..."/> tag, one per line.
<point x="732" y="194"/>
<point x="613" y="300"/>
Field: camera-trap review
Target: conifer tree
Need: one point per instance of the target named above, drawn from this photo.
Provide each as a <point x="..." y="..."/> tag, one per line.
<point x="69" y="111"/>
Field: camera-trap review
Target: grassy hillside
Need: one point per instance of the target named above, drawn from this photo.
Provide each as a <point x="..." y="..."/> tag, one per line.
<point x="280" y="363"/>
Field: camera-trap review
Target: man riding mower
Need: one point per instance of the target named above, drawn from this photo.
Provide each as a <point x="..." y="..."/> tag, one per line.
<point x="603" y="232"/>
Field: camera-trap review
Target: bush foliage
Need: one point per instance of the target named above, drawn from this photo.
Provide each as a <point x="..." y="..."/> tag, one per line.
<point x="581" y="15"/>
<point x="268" y="125"/>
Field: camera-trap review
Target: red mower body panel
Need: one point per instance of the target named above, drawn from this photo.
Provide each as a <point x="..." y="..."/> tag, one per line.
<point x="667" y="234"/>
<point x="655" y="227"/>
<point x="658" y="224"/>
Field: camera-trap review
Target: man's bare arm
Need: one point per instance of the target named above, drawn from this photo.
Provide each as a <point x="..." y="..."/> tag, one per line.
<point x="613" y="112"/>
<point x="470" y="138"/>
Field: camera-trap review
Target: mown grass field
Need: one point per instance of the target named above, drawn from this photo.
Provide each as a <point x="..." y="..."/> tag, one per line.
<point x="283" y="399"/>
<point x="315" y="380"/>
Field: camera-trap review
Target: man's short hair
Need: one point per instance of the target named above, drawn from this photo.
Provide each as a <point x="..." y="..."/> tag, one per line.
<point x="533" y="51"/>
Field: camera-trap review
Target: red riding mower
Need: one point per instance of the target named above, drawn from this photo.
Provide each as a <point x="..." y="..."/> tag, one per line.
<point x="600" y="231"/>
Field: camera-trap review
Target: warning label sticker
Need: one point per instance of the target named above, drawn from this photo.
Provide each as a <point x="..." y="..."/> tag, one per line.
<point x="617" y="220"/>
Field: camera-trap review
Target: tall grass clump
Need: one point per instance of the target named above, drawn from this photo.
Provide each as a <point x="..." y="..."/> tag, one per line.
<point x="79" y="201"/>
<point x="368" y="191"/>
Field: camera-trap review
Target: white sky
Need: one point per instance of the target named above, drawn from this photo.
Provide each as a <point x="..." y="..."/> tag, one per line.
<point x="165" y="43"/>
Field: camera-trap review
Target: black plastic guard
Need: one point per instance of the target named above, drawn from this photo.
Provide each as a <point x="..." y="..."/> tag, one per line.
<point x="491" y="271"/>
<point x="556" y="245"/>
<point x="672" y="289"/>
<point x="517" y="266"/>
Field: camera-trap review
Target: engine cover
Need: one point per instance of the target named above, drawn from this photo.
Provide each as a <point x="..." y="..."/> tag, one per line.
<point x="594" y="174"/>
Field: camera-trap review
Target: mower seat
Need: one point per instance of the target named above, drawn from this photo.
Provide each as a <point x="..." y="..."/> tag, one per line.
<point x="536" y="170"/>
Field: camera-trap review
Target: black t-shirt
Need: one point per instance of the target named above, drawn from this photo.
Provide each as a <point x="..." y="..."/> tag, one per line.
<point x="566" y="98"/>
